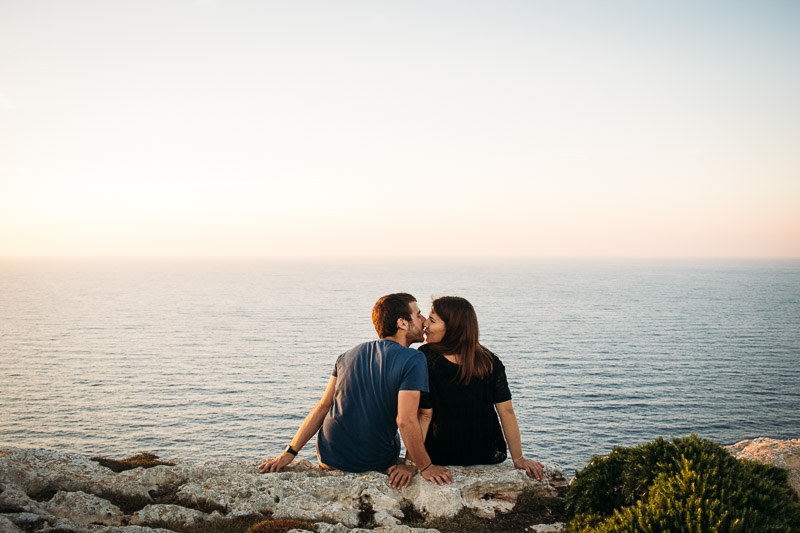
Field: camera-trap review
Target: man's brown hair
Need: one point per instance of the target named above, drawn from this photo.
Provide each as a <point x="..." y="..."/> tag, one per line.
<point x="388" y="309"/>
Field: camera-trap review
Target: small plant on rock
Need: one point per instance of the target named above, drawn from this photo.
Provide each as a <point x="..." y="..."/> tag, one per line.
<point x="144" y="460"/>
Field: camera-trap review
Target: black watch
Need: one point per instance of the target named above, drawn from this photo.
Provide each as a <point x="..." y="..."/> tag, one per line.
<point x="290" y="450"/>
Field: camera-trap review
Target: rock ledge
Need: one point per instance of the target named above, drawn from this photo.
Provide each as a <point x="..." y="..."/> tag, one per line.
<point x="43" y="490"/>
<point x="781" y="453"/>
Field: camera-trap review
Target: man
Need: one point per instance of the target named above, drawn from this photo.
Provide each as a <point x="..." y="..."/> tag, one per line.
<point x="373" y="392"/>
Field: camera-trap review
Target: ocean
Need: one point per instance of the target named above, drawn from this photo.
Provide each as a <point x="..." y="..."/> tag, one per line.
<point x="209" y="359"/>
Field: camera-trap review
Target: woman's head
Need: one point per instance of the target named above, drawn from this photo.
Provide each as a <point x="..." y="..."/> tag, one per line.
<point x="452" y="321"/>
<point x="453" y="330"/>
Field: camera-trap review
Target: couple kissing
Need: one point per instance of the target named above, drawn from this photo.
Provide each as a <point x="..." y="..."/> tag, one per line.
<point x="449" y="400"/>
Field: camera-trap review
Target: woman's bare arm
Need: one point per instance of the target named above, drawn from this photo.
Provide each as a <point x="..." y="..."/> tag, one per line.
<point x="511" y="430"/>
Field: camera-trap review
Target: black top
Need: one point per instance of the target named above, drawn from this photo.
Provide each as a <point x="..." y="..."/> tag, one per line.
<point x="465" y="429"/>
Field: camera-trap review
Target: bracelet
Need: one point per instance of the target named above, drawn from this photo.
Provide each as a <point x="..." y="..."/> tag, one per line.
<point x="409" y="462"/>
<point x="427" y="467"/>
<point x="513" y="460"/>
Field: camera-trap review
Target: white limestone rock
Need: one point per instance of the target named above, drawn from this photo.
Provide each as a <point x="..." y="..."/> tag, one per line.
<point x="404" y="529"/>
<point x="380" y="529"/>
<point x="315" y="495"/>
<point x="324" y="527"/>
<point x="307" y="508"/>
<point x="781" y="453"/>
<point x="29" y="520"/>
<point x="14" y="500"/>
<point x="35" y="522"/>
<point x="84" y="508"/>
<point x="136" y="529"/>
<point x="186" y="493"/>
<point x="233" y="487"/>
<point x="170" y="514"/>
<point x="558" y="527"/>
<point x="39" y="471"/>
<point x="7" y="526"/>
<point x="485" y="489"/>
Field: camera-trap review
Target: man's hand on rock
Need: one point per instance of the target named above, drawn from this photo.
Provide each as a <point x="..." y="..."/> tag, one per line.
<point x="400" y="475"/>
<point x="438" y="475"/>
<point x="275" y="465"/>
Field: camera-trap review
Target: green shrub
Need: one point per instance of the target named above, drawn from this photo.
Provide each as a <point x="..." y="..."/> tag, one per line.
<point x="687" y="485"/>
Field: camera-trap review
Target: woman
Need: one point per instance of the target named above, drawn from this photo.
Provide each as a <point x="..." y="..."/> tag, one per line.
<point x="468" y="390"/>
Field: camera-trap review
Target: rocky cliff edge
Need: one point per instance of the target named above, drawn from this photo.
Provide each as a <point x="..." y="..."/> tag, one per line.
<point x="43" y="490"/>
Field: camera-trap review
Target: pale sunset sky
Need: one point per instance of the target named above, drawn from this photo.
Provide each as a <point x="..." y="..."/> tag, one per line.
<point x="369" y="128"/>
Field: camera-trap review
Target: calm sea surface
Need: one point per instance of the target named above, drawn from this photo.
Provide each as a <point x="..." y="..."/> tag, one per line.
<point x="197" y="360"/>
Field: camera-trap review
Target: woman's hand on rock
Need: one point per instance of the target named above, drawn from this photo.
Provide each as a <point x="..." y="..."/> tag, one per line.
<point x="531" y="467"/>
<point x="438" y="475"/>
<point x="400" y="475"/>
<point x="275" y="465"/>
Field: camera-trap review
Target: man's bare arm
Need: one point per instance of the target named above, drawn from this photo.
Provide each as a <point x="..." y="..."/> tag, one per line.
<point x="308" y="429"/>
<point x="410" y="430"/>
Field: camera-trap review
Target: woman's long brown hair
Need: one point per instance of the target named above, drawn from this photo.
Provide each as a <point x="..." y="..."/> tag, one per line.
<point x="461" y="338"/>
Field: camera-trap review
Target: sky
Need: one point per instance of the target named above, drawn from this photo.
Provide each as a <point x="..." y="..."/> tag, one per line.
<point x="178" y="128"/>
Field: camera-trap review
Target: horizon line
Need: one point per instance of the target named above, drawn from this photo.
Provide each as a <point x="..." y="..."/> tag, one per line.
<point x="407" y="257"/>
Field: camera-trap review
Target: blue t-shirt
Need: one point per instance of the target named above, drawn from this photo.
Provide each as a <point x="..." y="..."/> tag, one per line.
<point x="359" y="432"/>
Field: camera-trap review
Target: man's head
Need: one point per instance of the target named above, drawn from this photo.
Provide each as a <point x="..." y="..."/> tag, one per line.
<point x="395" y="312"/>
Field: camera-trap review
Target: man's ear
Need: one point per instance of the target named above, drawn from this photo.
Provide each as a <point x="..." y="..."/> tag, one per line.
<point x="402" y="323"/>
